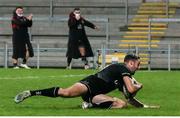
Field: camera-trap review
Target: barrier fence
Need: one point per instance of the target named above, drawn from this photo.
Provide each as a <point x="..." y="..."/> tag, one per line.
<point x="161" y="58"/>
<point x="165" y="57"/>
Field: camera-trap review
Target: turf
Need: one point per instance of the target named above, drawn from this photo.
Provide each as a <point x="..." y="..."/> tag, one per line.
<point x="160" y="88"/>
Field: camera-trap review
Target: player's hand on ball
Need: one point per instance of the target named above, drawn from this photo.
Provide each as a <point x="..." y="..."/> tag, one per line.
<point x="127" y="94"/>
<point x="136" y="84"/>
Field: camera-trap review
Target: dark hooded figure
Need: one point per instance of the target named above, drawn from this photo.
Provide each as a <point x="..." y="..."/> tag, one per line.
<point x="78" y="44"/>
<point x="22" y="47"/>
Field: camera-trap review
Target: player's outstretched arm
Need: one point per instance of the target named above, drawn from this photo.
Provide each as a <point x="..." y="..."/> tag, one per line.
<point x="138" y="104"/>
<point x="135" y="102"/>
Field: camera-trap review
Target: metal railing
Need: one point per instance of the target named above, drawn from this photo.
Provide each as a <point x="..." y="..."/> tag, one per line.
<point x="161" y="58"/>
<point x="6" y="50"/>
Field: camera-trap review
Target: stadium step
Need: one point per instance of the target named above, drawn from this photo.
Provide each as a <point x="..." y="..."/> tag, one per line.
<point x="145" y="33"/>
<point x="155" y="12"/>
<point x="171" y="4"/>
<point x="144" y="55"/>
<point x="144" y="59"/>
<point x="140" y="19"/>
<point x="139" y="41"/>
<point x="133" y="45"/>
<point x="147" y="24"/>
<point x="144" y="64"/>
<point x="139" y="37"/>
<point x="146" y="28"/>
<point x="153" y="16"/>
<point x="155" y="8"/>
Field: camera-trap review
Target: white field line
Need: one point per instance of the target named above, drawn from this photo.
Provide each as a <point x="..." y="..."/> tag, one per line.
<point x="59" y="76"/>
<point x="43" y="77"/>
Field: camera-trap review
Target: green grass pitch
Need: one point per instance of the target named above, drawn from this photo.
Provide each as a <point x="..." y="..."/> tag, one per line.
<point x="160" y="88"/>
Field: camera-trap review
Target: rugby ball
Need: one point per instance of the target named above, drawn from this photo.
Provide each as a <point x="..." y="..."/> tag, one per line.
<point x="126" y="93"/>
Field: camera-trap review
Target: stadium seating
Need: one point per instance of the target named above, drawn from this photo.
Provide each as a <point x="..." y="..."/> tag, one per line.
<point x="137" y="36"/>
<point x="53" y="34"/>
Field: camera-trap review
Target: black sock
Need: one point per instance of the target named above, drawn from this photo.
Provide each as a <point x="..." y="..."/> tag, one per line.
<point x="24" y="61"/>
<point x="107" y="104"/>
<point x="85" y="60"/>
<point x="50" y="92"/>
<point x="14" y="64"/>
<point x="69" y="61"/>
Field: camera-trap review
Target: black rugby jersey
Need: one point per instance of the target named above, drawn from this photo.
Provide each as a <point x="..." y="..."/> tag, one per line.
<point x="113" y="75"/>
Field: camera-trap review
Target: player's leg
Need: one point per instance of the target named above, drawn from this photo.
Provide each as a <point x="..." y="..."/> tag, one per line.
<point x="30" y="49"/>
<point x="82" y="50"/>
<point x="25" y="59"/>
<point x="50" y="92"/>
<point x="104" y="101"/>
<point x="84" y="59"/>
<point x="69" y="64"/>
<point x="15" y="63"/>
<point x="75" y="90"/>
<point x="15" y="58"/>
<point x="78" y="89"/>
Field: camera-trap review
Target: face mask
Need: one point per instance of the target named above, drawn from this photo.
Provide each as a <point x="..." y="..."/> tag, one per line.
<point x="20" y="15"/>
<point x="77" y="15"/>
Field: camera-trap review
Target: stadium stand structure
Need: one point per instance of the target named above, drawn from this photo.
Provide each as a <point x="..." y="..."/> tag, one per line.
<point x="52" y="35"/>
<point x="138" y="29"/>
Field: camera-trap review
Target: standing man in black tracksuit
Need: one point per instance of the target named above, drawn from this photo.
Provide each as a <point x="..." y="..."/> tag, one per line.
<point x="78" y="44"/>
<point x="22" y="47"/>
